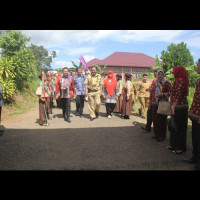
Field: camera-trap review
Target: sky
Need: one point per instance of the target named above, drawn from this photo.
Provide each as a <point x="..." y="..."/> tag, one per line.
<point x="72" y="44"/>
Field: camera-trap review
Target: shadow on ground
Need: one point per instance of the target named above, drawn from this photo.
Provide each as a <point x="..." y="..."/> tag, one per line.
<point x="105" y="148"/>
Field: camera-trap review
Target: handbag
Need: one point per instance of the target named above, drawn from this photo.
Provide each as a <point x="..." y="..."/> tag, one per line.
<point x="164" y="108"/>
<point x="172" y="126"/>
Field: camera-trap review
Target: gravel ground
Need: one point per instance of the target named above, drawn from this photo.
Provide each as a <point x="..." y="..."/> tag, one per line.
<point x="103" y="144"/>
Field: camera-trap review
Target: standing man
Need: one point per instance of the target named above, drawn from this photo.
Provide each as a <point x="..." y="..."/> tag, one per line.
<point x="65" y="84"/>
<point x="147" y="128"/>
<point x="143" y="95"/>
<point x="1" y="104"/>
<point x="79" y="82"/>
<point x="93" y="88"/>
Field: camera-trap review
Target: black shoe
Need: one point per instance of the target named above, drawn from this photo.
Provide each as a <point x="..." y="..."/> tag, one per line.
<point x="80" y="115"/>
<point x="97" y="115"/>
<point x="160" y="139"/>
<point x="144" y="128"/>
<point x="91" y="119"/>
<point x="77" y="114"/>
<point x="190" y="161"/>
<point x="68" y="120"/>
<point x="143" y="117"/>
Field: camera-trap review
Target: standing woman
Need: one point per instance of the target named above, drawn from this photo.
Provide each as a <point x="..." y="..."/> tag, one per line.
<point x="110" y="93"/>
<point x="194" y="115"/>
<point x="160" y="92"/>
<point x="1" y="104"/>
<point x="179" y="103"/>
<point x="118" y="106"/>
<point x="127" y="97"/>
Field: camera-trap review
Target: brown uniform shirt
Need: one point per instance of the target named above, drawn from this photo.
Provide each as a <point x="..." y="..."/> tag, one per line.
<point x="142" y="89"/>
<point x="93" y="83"/>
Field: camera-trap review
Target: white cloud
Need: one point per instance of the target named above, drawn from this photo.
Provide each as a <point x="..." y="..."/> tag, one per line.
<point x="87" y="58"/>
<point x="62" y="64"/>
<point x="53" y="38"/>
<point x="78" y="51"/>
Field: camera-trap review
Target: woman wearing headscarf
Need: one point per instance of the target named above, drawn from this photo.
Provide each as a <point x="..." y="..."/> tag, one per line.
<point x="179" y="103"/>
<point x="194" y="115"/>
<point x="127" y="97"/>
<point x="160" y="92"/>
<point x="118" y="106"/>
<point x="110" y="93"/>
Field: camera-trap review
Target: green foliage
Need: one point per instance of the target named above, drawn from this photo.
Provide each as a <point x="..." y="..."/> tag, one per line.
<point x="20" y="64"/>
<point x="43" y="61"/>
<point x="99" y="69"/>
<point x="12" y="42"/>
<point x="177" y="55"/>
<point x="7" y="76"/>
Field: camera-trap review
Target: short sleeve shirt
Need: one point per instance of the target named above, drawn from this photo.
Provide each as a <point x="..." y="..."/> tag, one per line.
<point x="93" y="83"/>
<point x="142" y="89"/>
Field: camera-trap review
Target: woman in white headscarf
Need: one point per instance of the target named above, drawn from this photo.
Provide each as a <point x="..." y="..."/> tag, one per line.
<point x="160" y="92"/>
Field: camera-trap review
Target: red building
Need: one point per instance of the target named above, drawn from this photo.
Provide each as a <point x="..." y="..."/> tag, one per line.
<point x="125" y="62"/>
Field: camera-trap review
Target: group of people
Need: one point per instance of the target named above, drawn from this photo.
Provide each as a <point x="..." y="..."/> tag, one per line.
<point x="84" y="87"/>
<point x="120" y="97"/>
<point x="162" y="90"/>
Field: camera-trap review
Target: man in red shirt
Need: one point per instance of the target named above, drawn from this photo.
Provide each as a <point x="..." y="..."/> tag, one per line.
<point x="65" y="84"/>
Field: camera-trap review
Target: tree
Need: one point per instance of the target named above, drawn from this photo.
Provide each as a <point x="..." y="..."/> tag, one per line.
<point x="12" y="42"/>
<point x="99" y="69"/>
<point x="41" y="55"/>
<point x="177" y="55"/>
<point x="76" y="66"/>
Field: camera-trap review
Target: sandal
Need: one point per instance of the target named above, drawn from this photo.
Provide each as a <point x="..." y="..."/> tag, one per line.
<point x="179" y="152"/>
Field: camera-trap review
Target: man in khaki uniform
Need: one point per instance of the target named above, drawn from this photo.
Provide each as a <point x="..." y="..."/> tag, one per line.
<point x="93" y="88"/>
<point x="143" y="95"/>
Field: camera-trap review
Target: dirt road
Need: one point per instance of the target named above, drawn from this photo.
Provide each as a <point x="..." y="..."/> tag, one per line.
<point x="102" y="144"/>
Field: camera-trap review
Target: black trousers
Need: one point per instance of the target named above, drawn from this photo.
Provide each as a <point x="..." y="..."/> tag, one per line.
<point x="149" y="119"/>
<point x="66" y="107"/>
<point x="178" y="139"/>
<point x="196" y="140"/>
<point x="0" y="115"/>
<point x="80" y="104"/>
<point x="58" y="101"/>
<point x="110" y="107"/>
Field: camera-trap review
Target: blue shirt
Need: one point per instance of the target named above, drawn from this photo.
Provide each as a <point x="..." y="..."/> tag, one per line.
<point x="79" y="84"/>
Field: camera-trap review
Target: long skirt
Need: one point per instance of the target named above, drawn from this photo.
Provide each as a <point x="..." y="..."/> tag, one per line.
<point x="159" y="123"/>
<point x="42" y="115"/>
<point x="126" y="105"/>
<point x="118" y="106"/>
<point x="178" y="139"/>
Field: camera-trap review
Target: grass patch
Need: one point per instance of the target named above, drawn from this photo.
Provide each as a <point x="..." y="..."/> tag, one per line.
<point x="22" y="101"/>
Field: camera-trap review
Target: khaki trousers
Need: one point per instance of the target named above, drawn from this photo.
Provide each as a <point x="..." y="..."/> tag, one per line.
<point x="144" y="102"/>
<point x="93" y="103"/>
